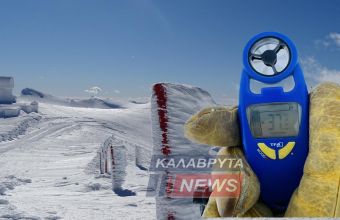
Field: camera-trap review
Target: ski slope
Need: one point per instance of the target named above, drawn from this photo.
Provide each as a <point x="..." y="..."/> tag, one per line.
<point x="49" y="167"/>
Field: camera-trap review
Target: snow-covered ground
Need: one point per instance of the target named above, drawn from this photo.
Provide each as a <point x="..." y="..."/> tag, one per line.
<point x="48" y="163"/>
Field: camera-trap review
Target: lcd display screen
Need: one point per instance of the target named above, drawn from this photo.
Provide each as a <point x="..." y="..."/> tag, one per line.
<point x="274" y="120"/>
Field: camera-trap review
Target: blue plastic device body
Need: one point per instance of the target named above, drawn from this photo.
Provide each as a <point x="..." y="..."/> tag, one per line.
<point x="278" y="176"/>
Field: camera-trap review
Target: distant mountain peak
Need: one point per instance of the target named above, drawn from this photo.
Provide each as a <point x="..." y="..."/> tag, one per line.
<point x="82" y="103"/>
<point x="32" y="92"/>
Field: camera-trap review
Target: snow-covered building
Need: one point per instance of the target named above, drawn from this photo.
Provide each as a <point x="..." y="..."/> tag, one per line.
<point x="6" y="89"/>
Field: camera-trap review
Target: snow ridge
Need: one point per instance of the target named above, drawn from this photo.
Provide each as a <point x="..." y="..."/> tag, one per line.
<point x="32" y="94"/>
<point x="19" y="128"/>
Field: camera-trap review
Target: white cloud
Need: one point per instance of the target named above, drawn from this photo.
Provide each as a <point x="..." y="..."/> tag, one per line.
<point x="335" y="37"/>
<point x="117" y="91"/>
<point x="316" y="73"/>
<point x="93" y="91"/>
<point x="332" y="40"/>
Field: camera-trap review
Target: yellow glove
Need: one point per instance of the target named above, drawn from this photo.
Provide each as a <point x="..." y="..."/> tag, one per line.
<point x="318" y="194"/>
<point x="219" y="127"/>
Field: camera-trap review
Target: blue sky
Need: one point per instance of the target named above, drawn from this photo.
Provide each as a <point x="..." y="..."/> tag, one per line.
<point x="64" y="47"/>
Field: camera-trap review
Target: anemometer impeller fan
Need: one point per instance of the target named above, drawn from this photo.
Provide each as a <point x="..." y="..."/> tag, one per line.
<point x="269" y="56"/>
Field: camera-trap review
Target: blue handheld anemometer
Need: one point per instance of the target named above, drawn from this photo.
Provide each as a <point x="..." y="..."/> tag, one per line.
<point x="273" y="111"/>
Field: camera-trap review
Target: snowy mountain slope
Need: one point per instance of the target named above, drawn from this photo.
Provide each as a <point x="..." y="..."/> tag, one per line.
<point x="50" y="171"/>
<point x="57" y="159"/>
